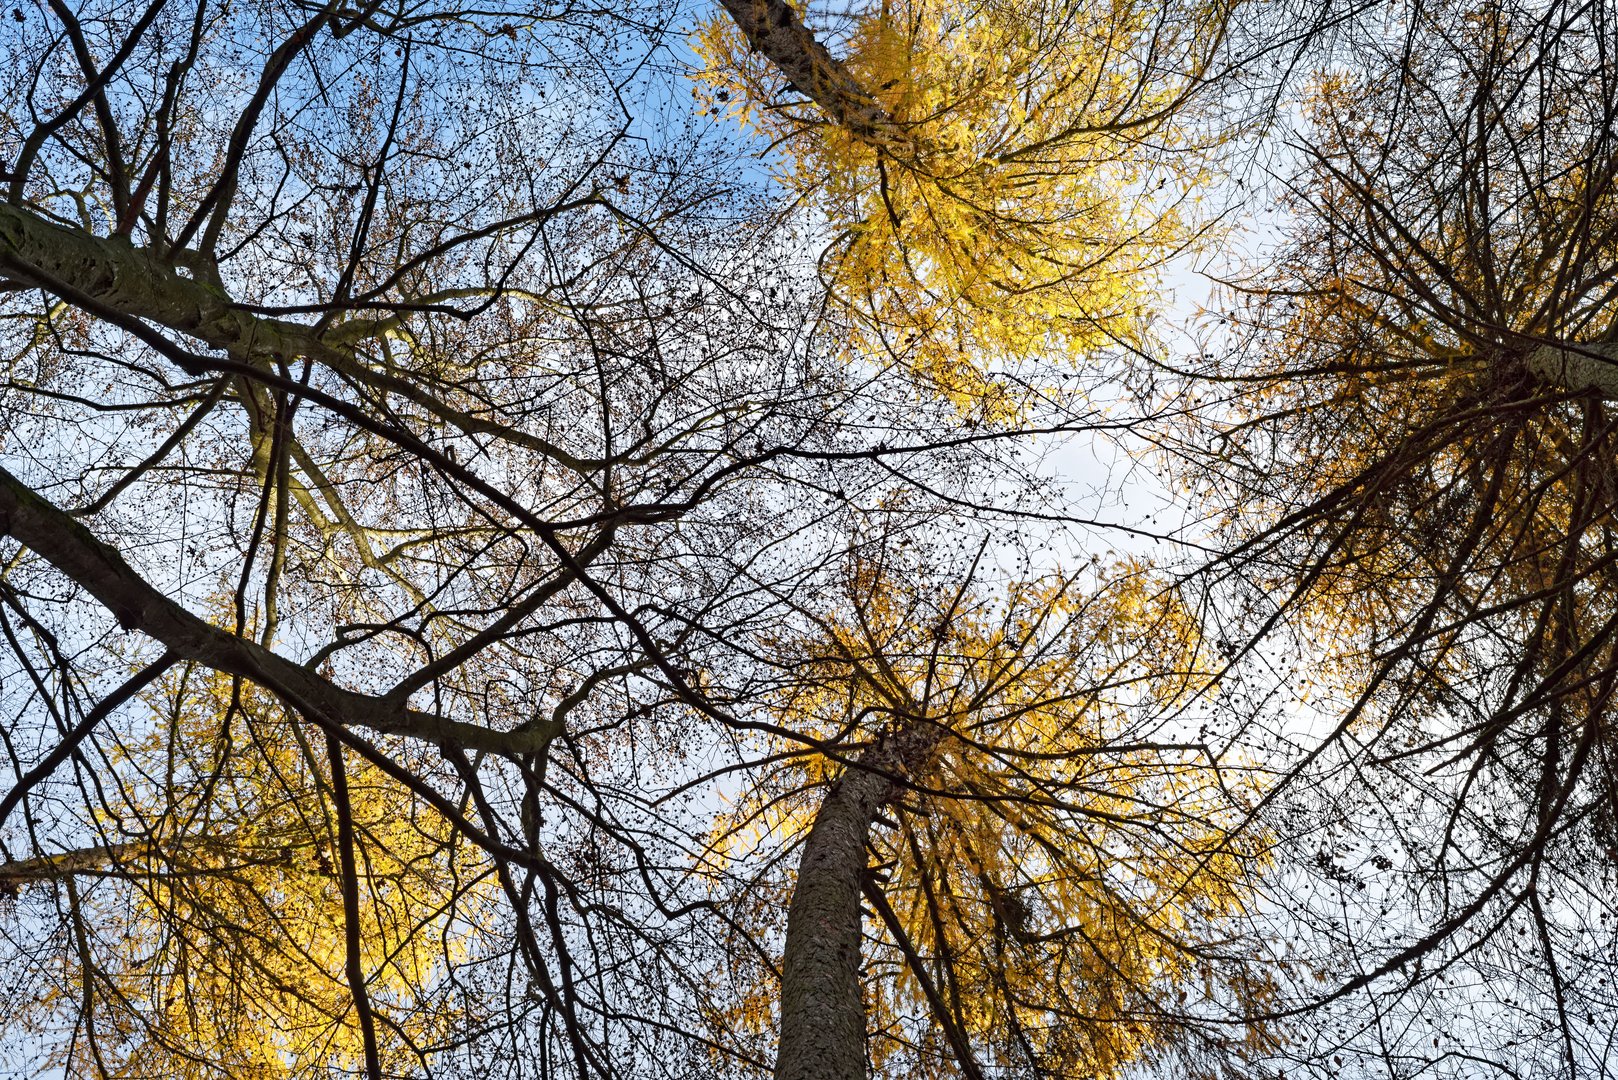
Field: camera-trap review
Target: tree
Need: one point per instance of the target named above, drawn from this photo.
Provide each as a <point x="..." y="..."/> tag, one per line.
<point x="233" y="946"/>
<point x="1415" y="432"/>
<point x="1054" y="866"/>
<point x="434" y="480"/>
<point x="413" y="443"/>
<point x="994" y="173"/>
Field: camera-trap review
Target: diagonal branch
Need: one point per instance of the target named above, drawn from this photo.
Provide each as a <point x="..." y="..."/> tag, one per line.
<point x="110" y="277"/>
<point x="64" y="749"/>
<point x="102" y="572"/>
<point x="959" y="1044"/>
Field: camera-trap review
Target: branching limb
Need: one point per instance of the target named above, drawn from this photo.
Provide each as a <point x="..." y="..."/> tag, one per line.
<point x="102" y="572"/>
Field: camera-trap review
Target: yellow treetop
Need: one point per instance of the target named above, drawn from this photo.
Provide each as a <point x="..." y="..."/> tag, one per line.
<point x="1057" y="865"/>
<point x="1024" y="209"/>
<point x="217" y="944"/>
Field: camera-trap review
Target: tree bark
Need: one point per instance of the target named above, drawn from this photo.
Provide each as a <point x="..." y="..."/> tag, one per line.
<point x="822" y="1001"/>
<point x="774" y="29"/>
<point x="111" y="273"/>
<point x="1577" y="368"/>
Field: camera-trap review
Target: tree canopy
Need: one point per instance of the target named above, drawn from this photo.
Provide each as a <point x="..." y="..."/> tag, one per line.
<point x="993" y="175"/>
<point x="609" y="543"/>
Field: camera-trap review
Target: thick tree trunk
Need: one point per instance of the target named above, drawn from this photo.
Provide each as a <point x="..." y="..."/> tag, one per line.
<point x="774" y="29"/>
<point x="1577" y="367"/>
<point x="822" y="1005"/>
<point x="822" y="1001"/>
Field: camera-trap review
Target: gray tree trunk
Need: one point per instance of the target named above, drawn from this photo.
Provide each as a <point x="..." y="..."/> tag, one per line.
<point x="774" y="29"/>
<point x="822" y="1000"/>
<point x="1577" y="367"/>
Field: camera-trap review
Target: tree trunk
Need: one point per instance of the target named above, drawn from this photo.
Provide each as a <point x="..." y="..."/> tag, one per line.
<point x="774" y="29"/>
<point x="822" y="1001"/>
<point x="1577" y="367"/>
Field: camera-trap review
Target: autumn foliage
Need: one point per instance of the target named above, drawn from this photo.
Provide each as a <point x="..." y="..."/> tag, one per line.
<point x="1036" y="192"/>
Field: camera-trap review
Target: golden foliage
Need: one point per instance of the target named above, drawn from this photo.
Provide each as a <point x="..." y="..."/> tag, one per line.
<point x="1456" y="210"/>
<point x="215" y="946"/>
<point x="1031" y="217"/>
<point x="1060" y="858"/>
